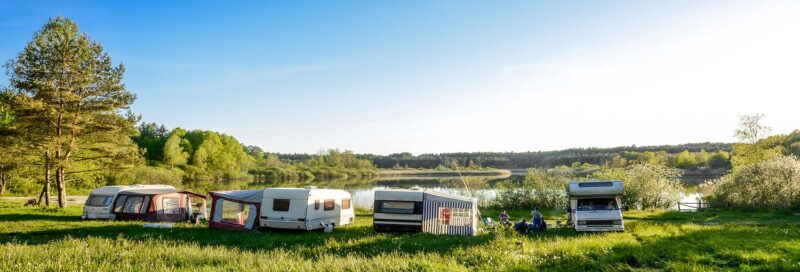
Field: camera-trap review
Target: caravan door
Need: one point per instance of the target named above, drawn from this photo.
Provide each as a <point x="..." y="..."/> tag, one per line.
<point x="284" y="213"/>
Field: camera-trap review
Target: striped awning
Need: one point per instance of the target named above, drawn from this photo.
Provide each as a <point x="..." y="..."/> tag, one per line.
<point x="453" y="218"/>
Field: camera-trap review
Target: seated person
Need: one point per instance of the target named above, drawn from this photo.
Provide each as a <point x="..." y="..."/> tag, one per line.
<point x="521" y="226"/>
<point x="504" y="219"/>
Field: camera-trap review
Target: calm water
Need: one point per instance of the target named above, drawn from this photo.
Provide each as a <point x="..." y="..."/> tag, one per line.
<point x="363" y="191"/>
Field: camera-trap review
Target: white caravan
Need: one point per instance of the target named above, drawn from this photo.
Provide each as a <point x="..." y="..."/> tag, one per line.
<point x="305" y="208"/>
<point x="424" y="211"/>
<point x="98" y="204"/>
<point x="595" y="205"/>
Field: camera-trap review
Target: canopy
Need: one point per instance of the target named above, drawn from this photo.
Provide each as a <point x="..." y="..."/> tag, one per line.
<point x="250" y="196"/>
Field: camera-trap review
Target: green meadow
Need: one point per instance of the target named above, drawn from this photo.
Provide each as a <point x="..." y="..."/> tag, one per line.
<point x="37" y="239"/>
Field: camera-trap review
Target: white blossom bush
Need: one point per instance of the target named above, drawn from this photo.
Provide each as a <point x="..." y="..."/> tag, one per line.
<point x="774" y="183"/>
<point x="647" y="186"/>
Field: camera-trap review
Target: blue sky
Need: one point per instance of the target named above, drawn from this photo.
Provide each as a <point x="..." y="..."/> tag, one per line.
<point x="444" y="76"/>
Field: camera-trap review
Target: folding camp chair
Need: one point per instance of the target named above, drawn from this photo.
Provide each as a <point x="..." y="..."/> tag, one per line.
<point x="488" y="223"/>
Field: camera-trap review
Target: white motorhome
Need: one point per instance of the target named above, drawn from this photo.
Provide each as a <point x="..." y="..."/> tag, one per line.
<point x="305" y="208"/>
<point x="595" y="205"/>
<point x="424" y="211"/>
<point x="98" y="204"/>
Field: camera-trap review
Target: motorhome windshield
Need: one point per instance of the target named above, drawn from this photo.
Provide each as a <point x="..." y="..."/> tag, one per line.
<point x="597" y="204"/>
<point x="99" y="200"/>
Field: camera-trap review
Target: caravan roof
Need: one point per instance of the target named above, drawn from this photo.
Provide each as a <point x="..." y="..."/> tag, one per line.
<point x="596" y="188"/>
<point x="149" y="191"/>
<point x="114" y="190"/>
<point x="302" y="193"/>
<point x="418" y="195"/>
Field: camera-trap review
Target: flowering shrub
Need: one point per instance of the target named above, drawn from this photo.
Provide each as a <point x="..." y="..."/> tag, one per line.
<point x="646" y="185"/>
<point x="774" y="183"/>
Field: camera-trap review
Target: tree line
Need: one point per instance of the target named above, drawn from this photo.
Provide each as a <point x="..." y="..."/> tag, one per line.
<point x="685" y="156"/>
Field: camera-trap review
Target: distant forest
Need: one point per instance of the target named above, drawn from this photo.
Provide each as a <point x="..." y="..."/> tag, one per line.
<point x="686" y="156"/>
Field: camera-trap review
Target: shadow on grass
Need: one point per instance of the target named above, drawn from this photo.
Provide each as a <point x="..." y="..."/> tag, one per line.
<point x="18" y="217"/>
<point x="713" y="217"/>
<point x="731" y="247"/>
<point x="347" y="240"/>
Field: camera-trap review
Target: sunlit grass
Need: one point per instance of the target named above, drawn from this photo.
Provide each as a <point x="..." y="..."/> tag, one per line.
<point x="32" y="239"/>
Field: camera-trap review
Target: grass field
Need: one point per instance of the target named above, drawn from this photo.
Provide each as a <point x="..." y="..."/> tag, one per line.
<point x="34" y="239"/>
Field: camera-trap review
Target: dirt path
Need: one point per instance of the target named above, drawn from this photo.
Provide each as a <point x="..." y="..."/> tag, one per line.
<point x="70" y="199"/>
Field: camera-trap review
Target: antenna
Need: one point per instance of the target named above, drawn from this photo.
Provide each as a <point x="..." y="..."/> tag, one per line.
<point x="469" y="192"/>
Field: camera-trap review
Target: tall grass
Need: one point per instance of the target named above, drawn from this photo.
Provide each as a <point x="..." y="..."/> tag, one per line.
<point x="32" y="239"/>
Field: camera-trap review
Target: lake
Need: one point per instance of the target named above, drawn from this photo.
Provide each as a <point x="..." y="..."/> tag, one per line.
<point x="363" y="191"/>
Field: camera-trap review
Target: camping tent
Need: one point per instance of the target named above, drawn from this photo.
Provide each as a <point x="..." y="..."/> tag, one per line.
<point x="236" y="210"/>
<point x="158" y="204"/>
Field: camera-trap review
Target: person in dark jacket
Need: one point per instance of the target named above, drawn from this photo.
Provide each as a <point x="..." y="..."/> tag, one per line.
<point x="521" y="226"/>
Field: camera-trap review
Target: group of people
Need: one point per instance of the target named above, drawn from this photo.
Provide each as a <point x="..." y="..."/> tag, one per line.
<point x="537" y="223"/>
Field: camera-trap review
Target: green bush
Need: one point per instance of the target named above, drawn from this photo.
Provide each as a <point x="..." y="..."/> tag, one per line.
<point x="774" y="183"/>
<point x="647" y="186"/>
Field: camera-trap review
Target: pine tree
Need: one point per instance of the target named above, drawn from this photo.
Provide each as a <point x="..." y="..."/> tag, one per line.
<point x="70" y="100"/>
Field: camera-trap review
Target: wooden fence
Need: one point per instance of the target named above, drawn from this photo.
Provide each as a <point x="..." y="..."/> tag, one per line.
<point x="693" y="206"/>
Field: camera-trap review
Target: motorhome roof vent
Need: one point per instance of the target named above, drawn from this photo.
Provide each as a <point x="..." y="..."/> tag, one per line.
<point x="596" y="184"/>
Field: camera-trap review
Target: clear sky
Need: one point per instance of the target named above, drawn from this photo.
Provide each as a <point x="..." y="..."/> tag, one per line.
<point x="445" y="76"/>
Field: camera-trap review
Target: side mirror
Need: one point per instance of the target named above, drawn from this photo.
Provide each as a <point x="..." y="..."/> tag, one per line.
<point x="625" y="208"/>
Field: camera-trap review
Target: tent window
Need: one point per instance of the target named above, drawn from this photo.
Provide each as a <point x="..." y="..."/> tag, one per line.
<point x="170" y="205"/>
<point x="133" y="204"/>
<point x="329" y="204"/>
<point x="234" y="212"/>
<point x="316" y="204"/>
<point x="454" y="216"/>
<point x="346" y="203"/>
<point x="120" y="203"/>
<point x="280" y="205"/>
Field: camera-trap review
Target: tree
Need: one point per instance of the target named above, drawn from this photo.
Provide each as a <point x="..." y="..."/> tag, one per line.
<point x="272" y="160"/>
<point x="702" y="158"/>
<point x="685" y="160"/>
<point x="751" y="129"/>
<point x="174" y="155"/>
<point x="71" y="98"/>
<point x="11" y="151"/>
<point x="720" y="159"/>
<point x="200" y="158"/>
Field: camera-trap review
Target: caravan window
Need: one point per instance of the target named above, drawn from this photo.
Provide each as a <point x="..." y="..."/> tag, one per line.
<point x="133" y="204"/>
<point x="330" y="204"/>
<point x="316" y="204"/>
<point x="597" y="204"/>
<point x="120" y="203"/>
<point x="99" y="200"/>
<point x="280" y="205"/>
<point x="345" y="203"/>
<point x="397" y="207"/>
